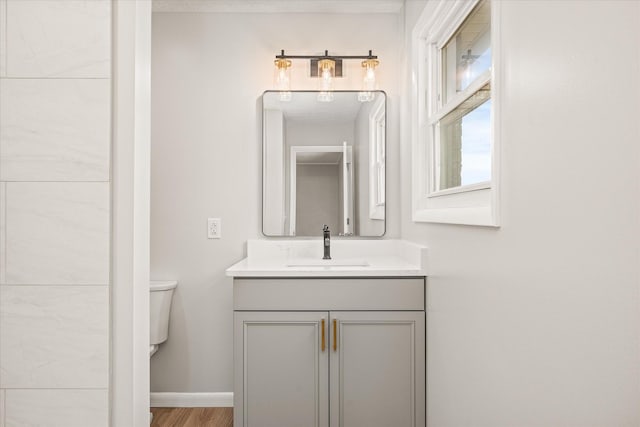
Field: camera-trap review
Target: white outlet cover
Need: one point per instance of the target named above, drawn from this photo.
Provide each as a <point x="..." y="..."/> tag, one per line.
<point x="214" y="228"/>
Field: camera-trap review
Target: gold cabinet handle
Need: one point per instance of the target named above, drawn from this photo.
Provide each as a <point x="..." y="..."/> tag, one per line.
<point x="322" y="345"/>
<point x="335" y="335"/>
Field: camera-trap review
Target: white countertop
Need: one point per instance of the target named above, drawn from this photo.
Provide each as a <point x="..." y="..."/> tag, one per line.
<point x="350" y="258"/>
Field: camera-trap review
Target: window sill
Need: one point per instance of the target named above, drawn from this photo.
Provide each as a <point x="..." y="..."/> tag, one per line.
<point x="481" y="216"/>
<point x="462" y="189"/>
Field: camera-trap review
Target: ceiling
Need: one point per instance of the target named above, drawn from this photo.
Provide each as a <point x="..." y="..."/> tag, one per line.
<point x="304" y="107"/>
<point x="279" y="6"/>
<point x="318" y="158"/>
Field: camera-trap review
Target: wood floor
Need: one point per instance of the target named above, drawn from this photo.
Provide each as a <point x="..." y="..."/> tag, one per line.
<point x="192" y="417"/>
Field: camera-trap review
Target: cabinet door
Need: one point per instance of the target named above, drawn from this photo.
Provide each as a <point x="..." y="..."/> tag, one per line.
<point x="281" y="371"/>
<point x="377" y="369"/>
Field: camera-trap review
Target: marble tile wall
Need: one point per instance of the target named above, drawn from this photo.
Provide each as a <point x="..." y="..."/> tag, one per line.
<point x="55" y="144"/>
<point x="58" y="38"/>
<point x="69" y="408"/>
<point x="3" y="37"/>
<point x="57" y="233"/>
<point x="72" y="138"/>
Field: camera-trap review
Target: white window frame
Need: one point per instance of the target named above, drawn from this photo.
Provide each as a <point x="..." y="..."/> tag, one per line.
<point x="475" y="204"/>
<point x="377" y="182"/>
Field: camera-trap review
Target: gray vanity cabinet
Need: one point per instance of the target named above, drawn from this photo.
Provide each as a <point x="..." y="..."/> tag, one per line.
<point x="286" y="378"/>
<point x="377" y="369"/>
<point x="329" y="366"/>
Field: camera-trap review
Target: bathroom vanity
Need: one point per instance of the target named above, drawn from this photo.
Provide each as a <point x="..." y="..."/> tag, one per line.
<point x="335" y="343"/>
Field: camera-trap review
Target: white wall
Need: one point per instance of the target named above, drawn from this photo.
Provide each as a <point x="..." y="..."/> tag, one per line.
<point x="208" y="73"/>
<point x="538" y="323"/>
<point x="55" y="120"/>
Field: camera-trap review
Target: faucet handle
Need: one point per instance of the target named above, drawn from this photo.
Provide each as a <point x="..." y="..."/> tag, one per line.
<point x="325" y="228"/>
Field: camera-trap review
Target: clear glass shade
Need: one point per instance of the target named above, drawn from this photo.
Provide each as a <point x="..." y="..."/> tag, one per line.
<point x="326" y="73"/>
<point x="282" y="78"/>
<point x="369" y="83"/>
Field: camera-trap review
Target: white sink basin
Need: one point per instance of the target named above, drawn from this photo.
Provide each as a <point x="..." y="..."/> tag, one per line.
<point x="328" y="263"/>
<point x="351" y="258"/>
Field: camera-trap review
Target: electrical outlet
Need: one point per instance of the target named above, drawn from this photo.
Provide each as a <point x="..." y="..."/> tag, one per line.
<point x="214" y="228"/>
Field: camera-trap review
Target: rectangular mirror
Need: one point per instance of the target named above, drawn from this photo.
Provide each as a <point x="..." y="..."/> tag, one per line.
<point x="323" y="163"/>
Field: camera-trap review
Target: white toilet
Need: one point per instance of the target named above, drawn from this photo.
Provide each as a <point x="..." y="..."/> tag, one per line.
<point x="159" y="308"/>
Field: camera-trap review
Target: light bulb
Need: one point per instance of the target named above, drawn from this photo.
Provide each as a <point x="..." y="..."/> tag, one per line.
<point x="282" y="79"/>
<point x="327" y="79"/>
<point x="368" y="80"/>
<point x="326" y="71"/>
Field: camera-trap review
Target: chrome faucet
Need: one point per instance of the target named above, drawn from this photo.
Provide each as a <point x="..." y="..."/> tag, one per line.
<point x="327" y="242"/>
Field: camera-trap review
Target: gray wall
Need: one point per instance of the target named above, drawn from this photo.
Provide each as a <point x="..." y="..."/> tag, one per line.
<point x="208" y="72"/>
<point x="274" y="209"/>
<point x="303" y="133"/>
<point x="538" y="323"/>
<point x="318" y="199"/>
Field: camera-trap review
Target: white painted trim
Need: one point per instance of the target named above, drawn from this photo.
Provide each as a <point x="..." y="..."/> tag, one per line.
<point x="348" y="220"/>
<point x="462" y="189"/>
<point x="192" y="400"/>
<point x="455" y="102"/>
<point x="377" y="118"/>
<point x="131" y="83"/>
<point x="439" y="20"/>
<point x="466" y="216"/>
<point x="497" y="86"/>
<point x="345" y="188"/>
<point x="277" y="6"/>
<point x="295" y="149"/>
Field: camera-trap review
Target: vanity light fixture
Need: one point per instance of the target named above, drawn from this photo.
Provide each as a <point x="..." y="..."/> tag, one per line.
<point x="283" y="78"/>
<point x="326" y="72"/>
<point x="368" y="80"/>
<point x="326" y="67"/>
<point x="467" y="62"/>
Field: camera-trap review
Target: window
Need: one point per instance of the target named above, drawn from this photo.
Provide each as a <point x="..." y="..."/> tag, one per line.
<point x="377" y="159"/>
<point x="454" y="141"/>
<point x="463" y="143"/>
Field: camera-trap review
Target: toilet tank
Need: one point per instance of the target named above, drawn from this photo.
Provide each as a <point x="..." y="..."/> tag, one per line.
<point x="161" y="293"/>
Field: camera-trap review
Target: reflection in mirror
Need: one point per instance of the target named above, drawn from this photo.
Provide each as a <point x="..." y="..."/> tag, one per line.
<point x="324" y="163"/>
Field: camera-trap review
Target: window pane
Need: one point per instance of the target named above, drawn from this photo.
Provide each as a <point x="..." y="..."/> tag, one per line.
<point x="468" y="53"/>
<point x="465" y="142"/>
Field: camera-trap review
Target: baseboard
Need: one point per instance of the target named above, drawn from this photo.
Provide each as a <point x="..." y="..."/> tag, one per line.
<point x="191" y="400"/>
